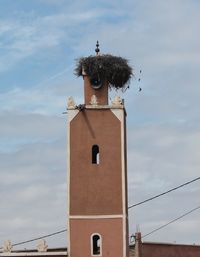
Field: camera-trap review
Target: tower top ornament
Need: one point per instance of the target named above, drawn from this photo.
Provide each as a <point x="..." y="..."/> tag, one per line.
<point x="97" y="50"/>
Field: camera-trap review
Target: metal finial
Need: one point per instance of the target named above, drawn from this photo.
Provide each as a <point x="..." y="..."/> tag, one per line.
<point x="97" y="50"/>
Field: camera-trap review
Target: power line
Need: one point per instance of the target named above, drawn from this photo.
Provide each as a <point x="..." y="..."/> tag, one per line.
<point x="37" y="238"/>
<point x="172" y="221"/>
<point x="153" y="231"/>
<point x="134" y="205"/>
<point x="41" y="237"/>
<point x="166" y="192"/>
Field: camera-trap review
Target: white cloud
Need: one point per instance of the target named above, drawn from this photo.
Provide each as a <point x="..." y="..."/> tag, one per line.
<point x="161" y="158"/>
<point x="30" y="35"/>
<point x="32" y="183"/>
<point x="49" y="97"/>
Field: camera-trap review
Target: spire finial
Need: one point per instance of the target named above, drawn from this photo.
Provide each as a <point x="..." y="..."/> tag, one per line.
<point x="97" y="50"/>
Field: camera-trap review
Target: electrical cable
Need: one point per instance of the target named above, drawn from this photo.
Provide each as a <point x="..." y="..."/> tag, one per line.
<point x="134" y="205"/>
<point x="172" y="221"/>
<point x="41" y="237"/>
<point x="164" y="193"/>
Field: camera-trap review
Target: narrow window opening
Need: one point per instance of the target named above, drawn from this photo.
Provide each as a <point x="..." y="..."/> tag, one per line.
<point x="96" y="245"/>
<point x="95" y="154"/>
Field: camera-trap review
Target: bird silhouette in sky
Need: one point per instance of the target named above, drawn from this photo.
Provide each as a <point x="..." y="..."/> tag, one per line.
<point x="140" y="89"/>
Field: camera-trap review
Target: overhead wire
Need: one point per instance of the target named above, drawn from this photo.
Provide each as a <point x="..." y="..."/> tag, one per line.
<point x="38" y="238"/>
<point x="164" y="193"/>
<point x="131" y="206"/>
<point x="172" y="221"/>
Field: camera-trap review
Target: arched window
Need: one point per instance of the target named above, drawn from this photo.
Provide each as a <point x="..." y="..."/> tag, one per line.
<point x="96" y="245"/>
<point x="95" y="154"/>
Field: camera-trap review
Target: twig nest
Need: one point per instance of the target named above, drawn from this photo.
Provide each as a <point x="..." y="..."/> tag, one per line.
<point x="113" y="69"/>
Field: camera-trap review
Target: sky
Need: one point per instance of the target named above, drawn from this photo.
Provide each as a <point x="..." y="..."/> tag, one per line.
<point x="40" y="41"/>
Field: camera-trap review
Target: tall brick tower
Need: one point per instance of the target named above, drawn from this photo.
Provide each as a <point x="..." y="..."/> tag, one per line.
<point x="97" y="174"/>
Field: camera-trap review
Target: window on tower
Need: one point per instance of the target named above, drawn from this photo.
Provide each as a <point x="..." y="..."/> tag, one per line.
<point x="95" y="154"/>
<point x="96" y="244"/>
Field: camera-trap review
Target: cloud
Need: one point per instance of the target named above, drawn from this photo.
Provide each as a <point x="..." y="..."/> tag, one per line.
<point x="33" y="182"/>
<point x="49" y="97"/>
<point x="23" y="39"/>
<point x="160" y="158"/>
<point x="31" y="34"/>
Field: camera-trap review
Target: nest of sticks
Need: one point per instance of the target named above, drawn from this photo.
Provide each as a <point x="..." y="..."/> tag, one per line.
<point x="115" y="70"/>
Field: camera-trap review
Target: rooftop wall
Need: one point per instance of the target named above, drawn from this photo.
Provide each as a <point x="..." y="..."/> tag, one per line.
<point x="169" y="250"/>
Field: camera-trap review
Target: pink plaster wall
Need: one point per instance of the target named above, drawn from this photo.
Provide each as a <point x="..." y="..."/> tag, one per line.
<point x="95" y="189"/>
<point x="111" y="231"/>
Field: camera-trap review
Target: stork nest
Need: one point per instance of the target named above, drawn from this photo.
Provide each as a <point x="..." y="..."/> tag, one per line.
<point x="115" y="70"/>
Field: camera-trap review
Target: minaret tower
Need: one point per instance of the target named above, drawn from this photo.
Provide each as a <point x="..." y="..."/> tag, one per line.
<point x="97" y="173"/>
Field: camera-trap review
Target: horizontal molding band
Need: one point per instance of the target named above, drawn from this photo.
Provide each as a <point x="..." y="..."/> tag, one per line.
<point x="63" y="253"/>
<point x="96" y="216"/>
